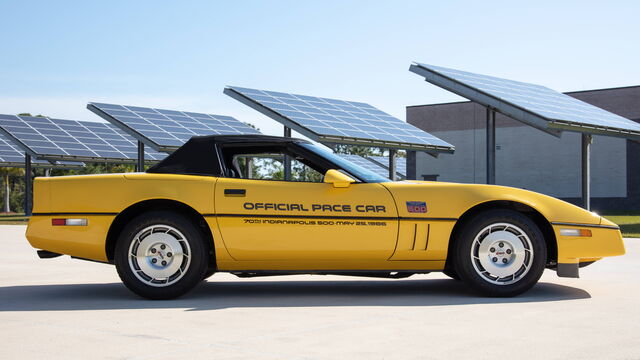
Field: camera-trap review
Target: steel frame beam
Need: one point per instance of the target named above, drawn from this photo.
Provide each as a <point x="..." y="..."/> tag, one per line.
<point x="28" y="188"/>
<point x="491" y="146"/>
<point x="287" y="159"/>
<point x="392" y="164"/>
<point x="140" y="160"/>
<point x="587" y="139"/>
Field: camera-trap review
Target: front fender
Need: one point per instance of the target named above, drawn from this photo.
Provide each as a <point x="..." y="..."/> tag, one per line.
<point x="451" y="200"/>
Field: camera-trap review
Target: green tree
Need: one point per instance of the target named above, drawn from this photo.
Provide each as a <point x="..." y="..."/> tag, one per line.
<point x="7" y="173"/>
<point x="29" y="114"/>
<point x="357" y="150"/>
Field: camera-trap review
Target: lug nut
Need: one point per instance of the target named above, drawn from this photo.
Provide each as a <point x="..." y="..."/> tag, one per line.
<point x="508" y="251"/>
<point x="163" y="247"/>
<point x="501" y="244"/>
<point x="154" y="260"/>
<point x="492" y="249"/>
<point x="164" y="263"/>
<point x="169" y="254"/>
<point x="153" y="250"/>
<point x="495" y="259"/>
<point x="504" y="261"/>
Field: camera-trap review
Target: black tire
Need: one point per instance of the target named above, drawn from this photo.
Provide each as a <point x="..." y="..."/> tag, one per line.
<point x="484" y="271"/>
<point x="176" y="233"/>
<point x="451" y="272"/>
<point x="208" y="273"/>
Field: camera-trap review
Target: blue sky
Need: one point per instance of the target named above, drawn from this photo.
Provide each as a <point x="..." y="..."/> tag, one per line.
<point x="58" y="55"/>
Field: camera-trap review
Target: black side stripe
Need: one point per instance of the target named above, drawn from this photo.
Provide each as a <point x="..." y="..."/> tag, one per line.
<point x="75" y="213"/>
<point x="328" y="217"/>
<point x="275" y="216"/>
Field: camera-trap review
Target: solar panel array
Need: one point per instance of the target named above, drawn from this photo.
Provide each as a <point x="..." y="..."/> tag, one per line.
<point x="43" y="137"/>
<point x="560" y="110"/>
<point x="10" y="155"/>
<point x="367" y="164"/>
<point x="371" y="164"/>
<point x="165" y="130"/>
<point x="401" y="163"/>
<point x="337" y="121"/>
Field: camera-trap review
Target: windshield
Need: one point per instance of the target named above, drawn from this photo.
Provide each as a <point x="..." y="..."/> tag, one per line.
<point x="353" y="169"/>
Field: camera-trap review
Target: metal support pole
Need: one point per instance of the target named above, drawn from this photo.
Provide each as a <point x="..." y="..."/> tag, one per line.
<point x="47" y="172"/>
<point x="392" y="164"/>
<point x="249" y="166"/>
<point x="28" y="190"/>
<point x="140" y="163"/>
<point x="586" y="171"/>
<point x="412" y="172"/>
<point x="287" y="159"/>
<point x="491" y="146"/>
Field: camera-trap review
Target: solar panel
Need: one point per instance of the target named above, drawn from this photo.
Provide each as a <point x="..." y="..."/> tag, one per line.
<point x="377" y="164"/>
<point x="535" y="105"/>
<point x="166" y="130"/>
<point x="12" y="156"/>
<point x="367" y="164"/>
<point x="337" y="121"/>
<point x="401" y="163"/>
<point x="45" y="138"/>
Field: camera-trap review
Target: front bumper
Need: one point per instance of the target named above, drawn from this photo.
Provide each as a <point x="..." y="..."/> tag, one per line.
<point x="605" y="240"/>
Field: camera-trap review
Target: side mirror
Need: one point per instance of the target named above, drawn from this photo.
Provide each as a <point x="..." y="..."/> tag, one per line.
<point x="338" y="179"/>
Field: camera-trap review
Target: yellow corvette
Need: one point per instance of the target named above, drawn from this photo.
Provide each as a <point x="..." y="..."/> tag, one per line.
<point x="259" y="205"/>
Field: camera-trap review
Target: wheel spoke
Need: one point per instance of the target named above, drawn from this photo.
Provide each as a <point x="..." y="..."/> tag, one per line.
<point x="149" y="259"/>
<point x="502" y="253"/>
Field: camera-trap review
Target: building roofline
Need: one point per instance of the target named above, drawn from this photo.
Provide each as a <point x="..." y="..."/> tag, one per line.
<point x="438" y="104"/>
<point x="605" y="89"/>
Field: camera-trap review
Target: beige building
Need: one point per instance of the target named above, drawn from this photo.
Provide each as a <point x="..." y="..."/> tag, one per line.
<point x="531" y="159"/>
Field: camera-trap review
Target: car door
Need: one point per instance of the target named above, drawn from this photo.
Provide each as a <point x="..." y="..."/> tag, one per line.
<point x="303" y="220"/>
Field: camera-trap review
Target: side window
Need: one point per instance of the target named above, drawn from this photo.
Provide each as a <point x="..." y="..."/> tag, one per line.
<point x="271" y="166"/>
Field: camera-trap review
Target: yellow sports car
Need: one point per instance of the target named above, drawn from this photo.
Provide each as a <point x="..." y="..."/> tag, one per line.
<point x="260" y="205"/>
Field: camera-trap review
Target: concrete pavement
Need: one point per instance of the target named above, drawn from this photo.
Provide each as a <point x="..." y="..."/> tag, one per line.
<point x="63" y="308"/>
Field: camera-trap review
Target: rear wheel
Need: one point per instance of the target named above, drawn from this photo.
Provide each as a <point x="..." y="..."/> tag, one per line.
<point x="161" y="255"/>
<point x="500" y="253"/>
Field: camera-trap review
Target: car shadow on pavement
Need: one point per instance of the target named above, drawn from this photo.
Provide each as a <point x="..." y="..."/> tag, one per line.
<point x="214" y="295"/>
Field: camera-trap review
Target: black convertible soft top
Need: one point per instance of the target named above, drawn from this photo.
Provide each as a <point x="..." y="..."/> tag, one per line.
<point x="199" y="156"/>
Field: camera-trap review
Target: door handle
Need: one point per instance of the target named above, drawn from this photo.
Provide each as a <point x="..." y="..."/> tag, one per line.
<point x="235" y="192"/>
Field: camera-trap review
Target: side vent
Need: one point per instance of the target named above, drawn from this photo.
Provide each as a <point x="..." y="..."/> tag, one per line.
<point x="422" y="240"/>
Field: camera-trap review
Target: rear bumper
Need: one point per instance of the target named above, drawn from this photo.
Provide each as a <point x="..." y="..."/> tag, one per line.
<point x="86" y="242"/>
<point x="572" y="250"/>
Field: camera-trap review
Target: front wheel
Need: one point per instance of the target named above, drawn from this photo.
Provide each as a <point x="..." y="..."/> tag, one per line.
<point x="161" y="255"/>
<point x="500" y="253"/>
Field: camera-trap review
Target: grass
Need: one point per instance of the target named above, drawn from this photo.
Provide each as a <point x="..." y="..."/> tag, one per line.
<point x="13" y="219"/>
<point x="629" y="220"/>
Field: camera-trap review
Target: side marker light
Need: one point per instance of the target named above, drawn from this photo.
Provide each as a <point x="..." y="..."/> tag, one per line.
<point x="575" y="232"/>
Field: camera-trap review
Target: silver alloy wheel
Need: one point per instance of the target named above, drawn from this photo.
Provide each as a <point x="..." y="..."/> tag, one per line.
<point x="502" y="253"/>
<point x="159" y="255"/>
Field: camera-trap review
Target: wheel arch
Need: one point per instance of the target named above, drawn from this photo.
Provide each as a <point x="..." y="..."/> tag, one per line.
<point x="141" y="207"/>
<point x="540" y="220"/>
